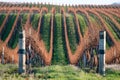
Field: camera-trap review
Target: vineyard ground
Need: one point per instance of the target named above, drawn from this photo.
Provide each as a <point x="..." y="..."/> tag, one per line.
<point x="66" y="36"/>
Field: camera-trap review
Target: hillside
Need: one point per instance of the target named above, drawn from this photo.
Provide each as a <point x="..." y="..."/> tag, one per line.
<point x="60" y="34"/>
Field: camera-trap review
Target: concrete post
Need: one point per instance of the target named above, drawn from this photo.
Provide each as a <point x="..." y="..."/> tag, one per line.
<point x="29" y="55"/>
<point x="97" y="51"/>
<point x="42" y="62"/>
<point x="22" y="58"/>
<point x="91" y="60"/>
<point x="29" y="59"/>
<point x="102" y="48"/>
<point x="12" y="59"/>
<point x="2" y="61"/>
<point x="114" y="52"/>
<point x="84" y="59"/>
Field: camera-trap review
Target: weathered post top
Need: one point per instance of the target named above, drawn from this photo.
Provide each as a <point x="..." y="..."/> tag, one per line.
<point x="102" y="42"/>
<point x="2" y="57"/>
<point x="3" y="49"/>
<point x="21" y="42"/>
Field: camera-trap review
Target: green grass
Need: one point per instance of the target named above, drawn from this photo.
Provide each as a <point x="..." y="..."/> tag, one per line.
<point x="112" y="27"/>
<point x="9" y="72"/>
<point x="2" y="17"/>
<point x="59" y="51"/>
<point x="8" y="26"/>
<point x="95" y="19"/>
<point x="71" y="30"/>
<point x="12" y="43"/>
<point x="117" y="19"/>
<point x="113" y="32"/>
<point x="45" y="30"/>
<point x="82" y="24"/>
<point x="107" y="45"/>
<point x="56" y="72"/>
<point x="24" y="18"/>
<point x="85" y="18"/>
<point x="109" y="42"/>
<point x="35" y="20"/>
<point x="94" y="52"/>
